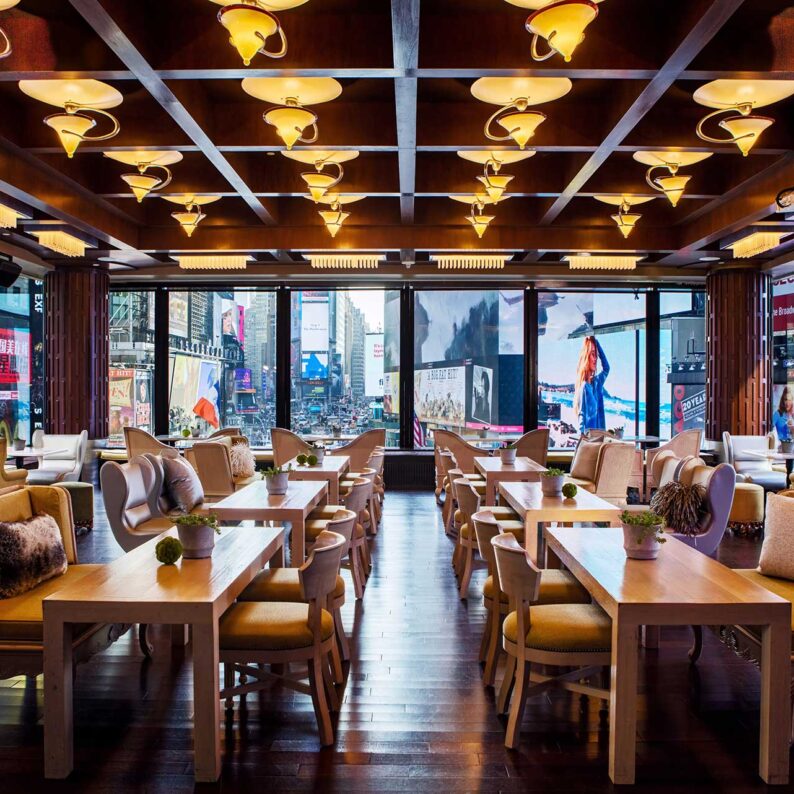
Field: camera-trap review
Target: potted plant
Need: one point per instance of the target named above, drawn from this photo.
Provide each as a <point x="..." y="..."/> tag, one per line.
<point x="19" y="443"/>
<point x="197" y="535"/>
<point x="551" y="482"/>
<point x="318" y="450"/>
<point x="195" y="431"/>
<point x="616" y="432"/>
<point x="276" y="480"/>
<point x="508" y="454"/>
<point x="643" y="534"/>
<point x="787" y="447"/>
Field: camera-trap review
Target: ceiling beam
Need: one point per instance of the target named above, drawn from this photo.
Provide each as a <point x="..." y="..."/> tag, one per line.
<point x="699" y="35"/>
<point x="405" y="43"/>
<point x="104" y="25"/>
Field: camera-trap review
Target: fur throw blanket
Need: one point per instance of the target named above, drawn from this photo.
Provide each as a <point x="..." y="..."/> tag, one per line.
<point x="683" y="507"/>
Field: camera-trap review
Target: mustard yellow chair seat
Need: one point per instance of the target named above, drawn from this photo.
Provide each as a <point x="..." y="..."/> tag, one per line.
<point x="22" y="618"/>
<point x="513" y="527"/>
<point x="556" y="587"/>
<point x="270" y="626"/>
<point x="317" y="525"/>
<point x="781" y="587"/>
<point x="499" y="513"/>
<point x="564" y="628"/>
<point x="325" y="512"/>
<point x="281" y="584"/>
<point x="748" y="504"/>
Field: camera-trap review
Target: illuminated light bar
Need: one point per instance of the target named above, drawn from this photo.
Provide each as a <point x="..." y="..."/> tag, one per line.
<point x="9" y="217"/>
<point x="755" y="243"/>
<point x="61" y="243"/>
<point x="213" y="262"/>
<point x="602" y="262"/>
<point x="344" y="261"/>
<point x="470" y="261"/>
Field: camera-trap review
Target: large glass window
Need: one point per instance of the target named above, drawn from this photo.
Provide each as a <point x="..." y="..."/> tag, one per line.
<point x="591" y="363"/>
<point x="131" y="375"/>
<point x="682" y="359"/>
<point x="222" y="362"/>
<point x="469" y="363"/>
<point x="783" y="357"/>
<point x="21" y="358"/>
<point x="345" y="361"/>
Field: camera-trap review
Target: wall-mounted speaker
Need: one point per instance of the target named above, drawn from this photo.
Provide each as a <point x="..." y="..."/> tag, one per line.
<point x="9" y="272"/>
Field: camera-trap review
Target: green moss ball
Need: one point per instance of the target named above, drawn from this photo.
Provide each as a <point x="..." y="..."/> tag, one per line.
<point x="168" y="551"/>
<point x="312" y="460"/>
<point x="301" y="459"/>
<point x="569" y="490"/>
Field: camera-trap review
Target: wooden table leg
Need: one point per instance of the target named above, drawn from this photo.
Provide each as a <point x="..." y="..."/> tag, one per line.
<point x="179" y="635"/>
<point x="58" y="699"/>
<point x="490" y="491"/>
<point x="297" y="547"/>
<point x="623" y="702"/>
<point x="279" y="560"/>
<point x="773" y="762"/>
<point x="206" y="703"/>
<point x="333" y="490"/>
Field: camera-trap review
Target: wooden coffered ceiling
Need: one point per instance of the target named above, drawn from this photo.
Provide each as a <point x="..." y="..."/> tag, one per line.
<point x="406" y="68"/>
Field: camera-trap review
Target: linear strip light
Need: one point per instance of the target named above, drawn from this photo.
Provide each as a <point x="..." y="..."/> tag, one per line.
<point x="470" y="261"/>
<point x="579" y="262"/>
<point x="9" y="217"/>
<point x="213" y="262"/>
<point x="61" y="243"/>
<point x="755" y="243"/>
<point x="344" y="261"/>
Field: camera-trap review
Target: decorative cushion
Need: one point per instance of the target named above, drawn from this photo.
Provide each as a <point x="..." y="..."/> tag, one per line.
<point x="270" y="626"/>
<point x="777" y="552"/>
<point x="683" y="507"/>
<point x="556" y="587"/>
<point x="31" y="551"/>
<point x="563" y="628"/>
<point x="182" y="484"/>
<point x="585" y="460"/>
<point x="243" y="461"/>
<point x="281" y="584"/>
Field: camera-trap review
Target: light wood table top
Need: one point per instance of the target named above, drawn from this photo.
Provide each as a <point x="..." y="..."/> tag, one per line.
<point x="491" y="467"/>
<point x="330" y="470"/>
<point x="770" y="455"/>
<point x="33" y="452"/>
<point x="136" y="588"/>
<point x="254" y="503"/>
<point x="535" y="509"/>
<point x="681" y="587"/>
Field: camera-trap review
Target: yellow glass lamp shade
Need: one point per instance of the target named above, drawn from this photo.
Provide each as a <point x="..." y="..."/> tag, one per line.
<point x="333" y="220"/>
<point x="495" y="185"/>
<point x="318" y="184"/>
<point x="479" y="223"/>
<point x="142" y="184"/>
<point x="71" y="129"/>
<point x="562" y="25"/>
<point x="5" y="42"/>
<point x="496" y="157"/>
<point x="626" y="221"/>
<point x="746" y="130"/>
<point x="189" y="219"/>
<point x="250" y="26"/>
<point x="672" y="186"/>
<point x="521" y="126"/>
<point x="290" y="123"/>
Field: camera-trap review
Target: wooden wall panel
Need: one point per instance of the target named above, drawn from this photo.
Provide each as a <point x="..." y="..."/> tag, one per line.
<point x="77" y="338"/>
<point x="739" y="383"/>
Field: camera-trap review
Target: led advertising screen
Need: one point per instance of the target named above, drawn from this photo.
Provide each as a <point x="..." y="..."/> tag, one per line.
<point x="440" y="395"/>
<point x="373" y="365"/>
<point x="314" y="322"/>
<point x="314" y="366"/>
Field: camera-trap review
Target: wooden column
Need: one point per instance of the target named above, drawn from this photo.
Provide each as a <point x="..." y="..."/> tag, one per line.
<point x="739" y="383"/>
<point x="77" y="335"/>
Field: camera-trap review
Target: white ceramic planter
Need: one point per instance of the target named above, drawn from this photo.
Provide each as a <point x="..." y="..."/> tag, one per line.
<point x="647" y="549"/>
<point x="19" y="444"/>
<point x="277" y="484"/>
<point x="787" y="447"/>
<point x="319" y="453"/>
<point x="552" y="486"/>
<point x="508" y="456"/>
<point x="198" y="541"/>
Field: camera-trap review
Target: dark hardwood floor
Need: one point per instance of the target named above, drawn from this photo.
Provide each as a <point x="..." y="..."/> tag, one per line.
<point x="415" y="715"/>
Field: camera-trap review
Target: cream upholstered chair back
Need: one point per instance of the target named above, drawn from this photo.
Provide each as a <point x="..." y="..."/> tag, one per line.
<point x="359" y="495"/>
<point x="518" y="576"/>
<point x="213" y="464"/>
<point x="361" y="448"/>
<point x="139" y="442"/>
<point x="688" y="468"/>
<point x="464" y="452"/>
<point x="65" y="462"/>
<point x="613" y="470"/>
<point x="468" y="499"/>
<point x="318" y="574"/>
<point x="128" y="491"/>
<point x="10" y="477"/>
<point x="736" y="448"/>
<point x="286" y="445"/>
<point x="687" y="442"/>
<point x="534" y="445"/>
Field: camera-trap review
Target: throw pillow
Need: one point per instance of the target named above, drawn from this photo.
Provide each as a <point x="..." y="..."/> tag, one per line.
<point x="31" y="551"/>
<point x="585" y="460"/>
<point x="243" y="461"/>
<point x="683" y="507"/>
<point x="777" y="552"/>
<point x="182" y="484"/>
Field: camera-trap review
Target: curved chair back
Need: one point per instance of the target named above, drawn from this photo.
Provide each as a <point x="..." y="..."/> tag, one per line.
<point x="737" y="446"/>
<point x="286" y="445"/>
<point x="226" y="431"/>
<point x="318" y="575"/>
<point x="687" y="468"/>
<point x="358" y="497"/>
<point x="10" y="477"/>
<point x="534" y="445"/>
<point x="139" y="442"/>
<point x="613" y="471"/>
<point x="361" y="448"/>
<point x="128" y="494"/>
<point x="518" y="576"/>
<point x="486" y="528"/>
<point x="213" y="464"/>
<point x="468" y="499"/>
<point x="37" y="441"/>
<point x="376" y="461"/>
<point x="343" y="523"/>
<point x="464" y="452"/>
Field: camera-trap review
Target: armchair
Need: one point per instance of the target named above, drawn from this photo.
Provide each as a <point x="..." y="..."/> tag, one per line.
<point x="752" y="468"/>
<point x="464" y="452"/>
<point x="10" y="476"/>
<point x="62" y="466"/>
<point x="612" y="471"/>
<point x="361" y="448"/>
<point x="286" y="445"/>
<point x="534" y="445"/>
<point x="139" y="442"/>
<point x="212" y="461"/>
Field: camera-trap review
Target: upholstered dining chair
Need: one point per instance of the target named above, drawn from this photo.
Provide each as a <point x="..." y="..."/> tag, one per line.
<point x="610" y="478"/>
<point x="253" y="633"/>
<point x="287" y="445"/>
<point x="64" y="463"/>
<point x="558" y="635"/>
<point x="9" y="475"/>
<point x="213" y="463"/>
<point x="684" y="444"/>
<point x="361" y="448"/>
<point x="464" y="452"/>
<point x="226" y="431"/>
<point x="534" y="445"/>
<point x="139" y="442"/>
<point x="556" y="587"/>
<point x="753" y="468"/>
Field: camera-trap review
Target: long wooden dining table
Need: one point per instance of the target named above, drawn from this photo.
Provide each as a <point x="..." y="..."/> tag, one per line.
<point x="682" y="587"/>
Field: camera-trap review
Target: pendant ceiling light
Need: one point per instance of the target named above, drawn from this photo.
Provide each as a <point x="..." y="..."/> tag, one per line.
<point x="560" y="23"/>
<point x="738" y="99"/>
<point x="478" y="219"/>
<point x="5" y="42"/>
<point x="291" y="117"/>
<point x="143" y="183"/>
<point x="494" y="183"/>
<point x="191" y="216"/>
<point x="251" y="23"/>
<point x="318" y="182"/>
<point x="625" y="219"/>
<point x="515" y="95"/>
<point x="672" y="184"/>
<point x="78" y="98"/>
<point x="335" y="216"/>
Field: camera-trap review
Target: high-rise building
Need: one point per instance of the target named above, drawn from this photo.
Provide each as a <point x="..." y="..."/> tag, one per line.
<point x="357" y="351"/>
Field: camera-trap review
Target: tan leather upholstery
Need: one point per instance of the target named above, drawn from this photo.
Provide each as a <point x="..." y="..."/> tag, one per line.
<point x="139" y="442"/>
<point x="212" y="461"/>
<point x="286" y="445"/>
<point x="361" y="448"/>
